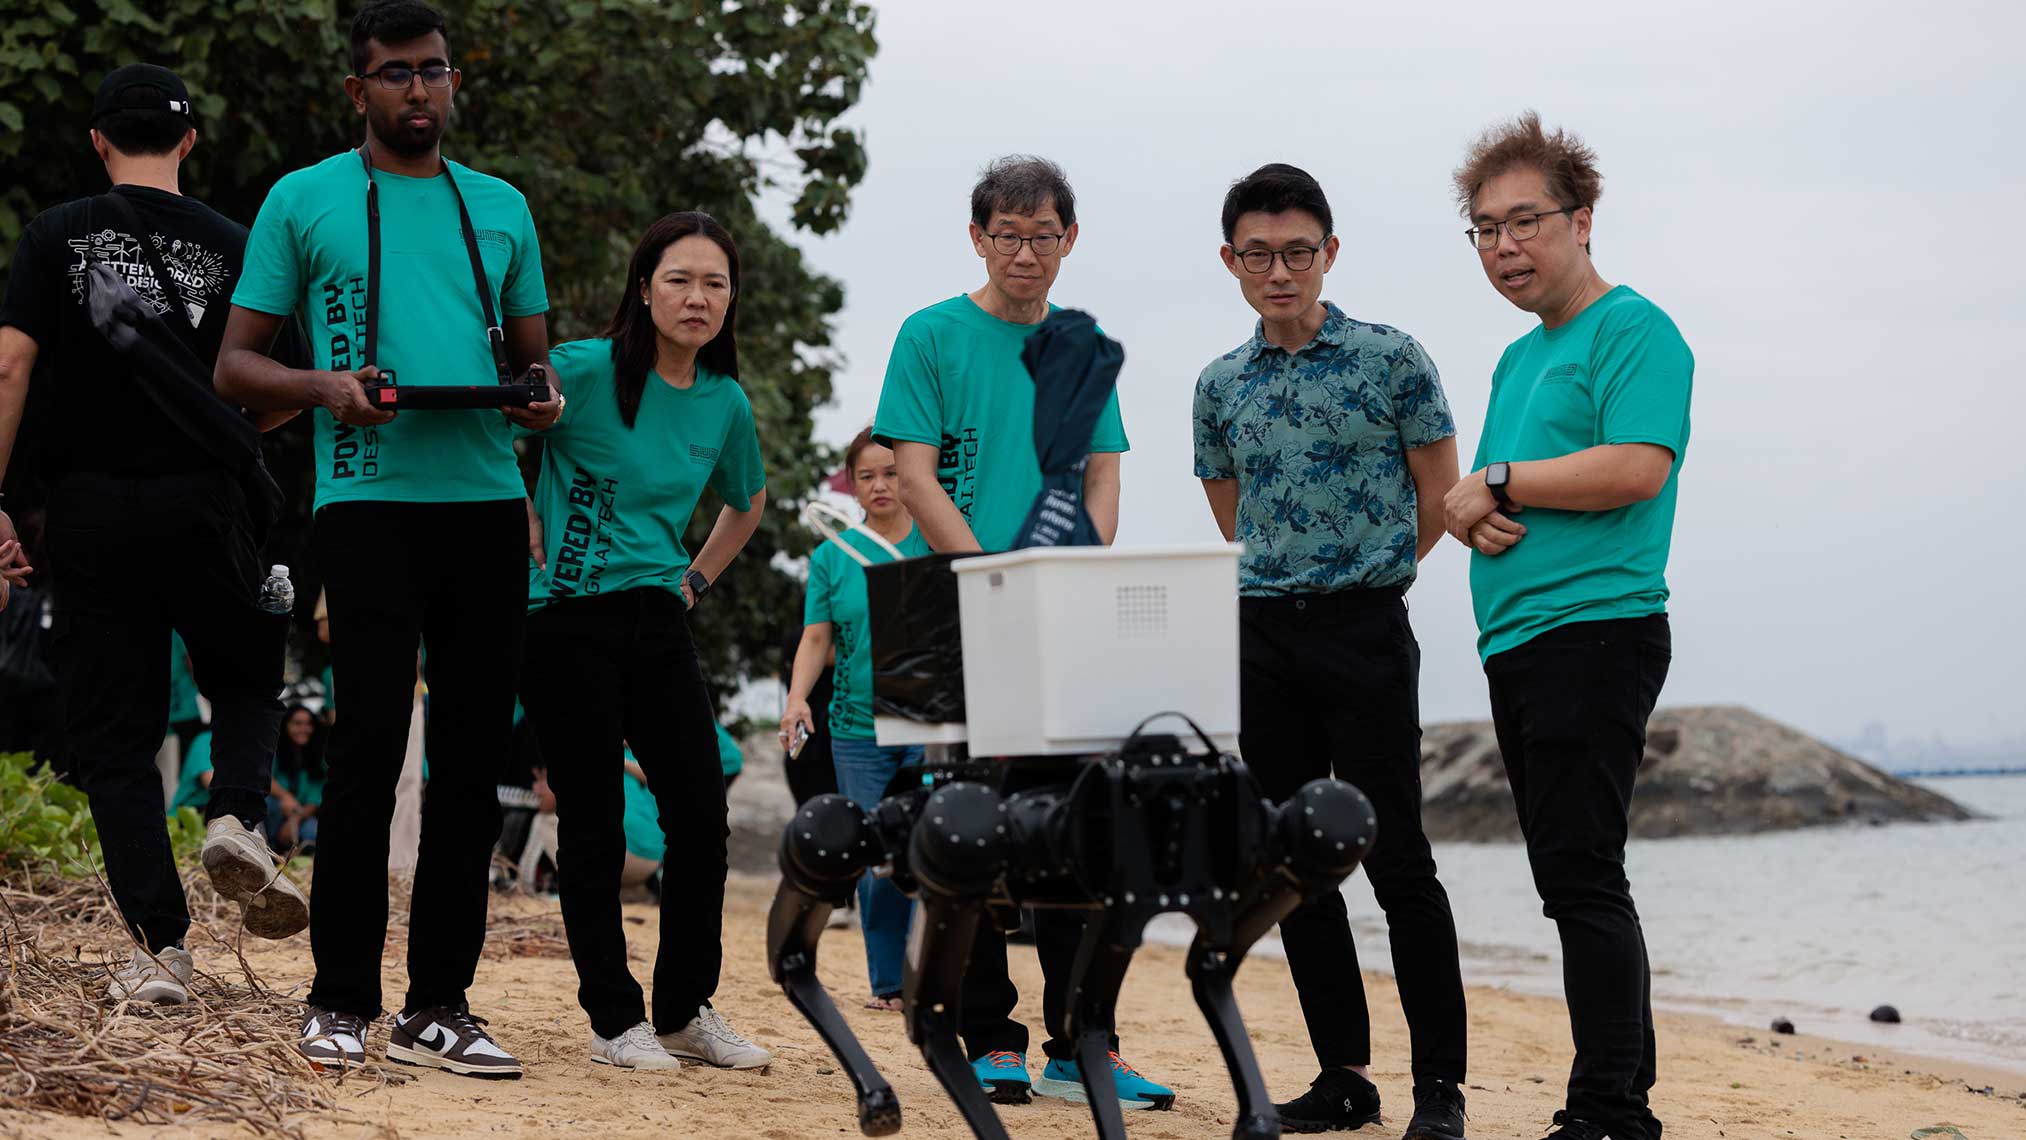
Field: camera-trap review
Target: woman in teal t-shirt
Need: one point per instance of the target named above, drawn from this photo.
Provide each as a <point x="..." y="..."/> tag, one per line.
<point x="834" y="617"/>
<point x="653" y="415"/>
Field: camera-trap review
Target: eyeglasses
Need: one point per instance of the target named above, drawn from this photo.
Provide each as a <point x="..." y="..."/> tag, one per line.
<point x="1296" y="257"/>
<point x="1009" y="244"/>
<point x="1521" y="227"/>
<point x="399" y="77"/>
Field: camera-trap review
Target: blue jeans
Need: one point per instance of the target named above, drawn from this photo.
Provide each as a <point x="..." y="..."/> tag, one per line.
<point x="305" y="832"/>
<point x="863" y="771"/>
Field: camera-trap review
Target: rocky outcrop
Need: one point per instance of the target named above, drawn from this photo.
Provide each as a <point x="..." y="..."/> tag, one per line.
<point x="1707" y="771"/>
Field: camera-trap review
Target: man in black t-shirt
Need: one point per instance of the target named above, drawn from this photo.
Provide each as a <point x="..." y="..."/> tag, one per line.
<point x="148" y="530"/>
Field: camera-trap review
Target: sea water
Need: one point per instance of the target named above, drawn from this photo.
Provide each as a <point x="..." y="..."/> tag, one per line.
<point x="1819" y="925"/>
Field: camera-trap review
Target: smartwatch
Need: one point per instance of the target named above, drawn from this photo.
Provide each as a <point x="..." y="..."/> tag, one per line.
<point x="697" y="583"/>
<point x="1496" y="476"/>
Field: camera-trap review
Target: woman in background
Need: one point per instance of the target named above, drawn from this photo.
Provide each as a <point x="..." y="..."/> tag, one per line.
<point x="834" y="619"/>
<point x="298" y="782"/>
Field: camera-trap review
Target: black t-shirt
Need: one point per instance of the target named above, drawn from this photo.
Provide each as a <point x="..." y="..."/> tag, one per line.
<point x="93" y="415"/>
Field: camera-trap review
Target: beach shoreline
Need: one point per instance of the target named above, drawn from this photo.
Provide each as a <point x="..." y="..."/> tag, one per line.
<point x="1718" y="1081"/>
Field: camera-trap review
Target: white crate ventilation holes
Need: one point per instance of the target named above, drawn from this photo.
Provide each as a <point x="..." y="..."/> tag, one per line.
<point x="1066" y="649"/>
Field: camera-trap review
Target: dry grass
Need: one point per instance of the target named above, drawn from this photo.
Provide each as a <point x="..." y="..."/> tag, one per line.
<point x="226" y="1057"/>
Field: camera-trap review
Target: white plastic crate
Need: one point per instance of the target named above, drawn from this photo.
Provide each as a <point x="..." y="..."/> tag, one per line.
<point x="1066" y="649"/>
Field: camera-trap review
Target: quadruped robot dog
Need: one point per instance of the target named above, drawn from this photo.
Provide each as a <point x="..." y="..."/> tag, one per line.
<point x="1066" y="652"/>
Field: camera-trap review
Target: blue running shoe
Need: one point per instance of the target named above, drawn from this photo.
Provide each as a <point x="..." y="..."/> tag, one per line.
<point x="1003" y="1076"/>
<point x="1065" y="1079"/>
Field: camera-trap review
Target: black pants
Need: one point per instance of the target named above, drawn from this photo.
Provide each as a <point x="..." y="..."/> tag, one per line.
<point x="1330" y="683"/>
<point x="1570" y="708"/>
<point x="130" y="560"/>
<point x="986" y="1022"/>
<point x="603" y="673"/>
<point x="451" y="579"/>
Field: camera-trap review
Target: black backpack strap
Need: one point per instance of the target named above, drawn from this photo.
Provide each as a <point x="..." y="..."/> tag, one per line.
<point x="372" y="342"/>
<point x="146" y="241"/>
<point x="495" y="333"/>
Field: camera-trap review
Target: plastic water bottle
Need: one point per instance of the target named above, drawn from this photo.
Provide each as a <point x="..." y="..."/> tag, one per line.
<point x="277" y="594"/>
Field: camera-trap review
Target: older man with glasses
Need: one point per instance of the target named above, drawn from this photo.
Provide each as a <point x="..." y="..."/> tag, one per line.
<point x="1325" y="446"/>
<point x="958" y="410"/>
<point x="1585" y="433"/>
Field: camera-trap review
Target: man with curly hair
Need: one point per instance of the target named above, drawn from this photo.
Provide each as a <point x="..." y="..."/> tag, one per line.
<point x="1583" y="440"/>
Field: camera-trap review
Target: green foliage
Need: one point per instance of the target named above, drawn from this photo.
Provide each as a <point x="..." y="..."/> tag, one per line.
<point x="45" y="826"/>
<point x="606" y="113"/>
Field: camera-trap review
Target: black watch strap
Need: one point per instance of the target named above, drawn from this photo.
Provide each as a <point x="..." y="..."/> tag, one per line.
<point x="1502" y="473"/>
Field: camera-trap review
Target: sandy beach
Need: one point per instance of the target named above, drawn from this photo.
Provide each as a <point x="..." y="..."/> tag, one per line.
<point x="1717" y="1082"/>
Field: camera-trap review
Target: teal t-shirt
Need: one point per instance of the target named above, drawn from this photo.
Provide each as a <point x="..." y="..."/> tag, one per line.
<point x="307" y="787"/>
<point x="955" y="380"/>
<point x="731" y="761"/>
<point x="837" y="595"/>
<point x="190" y="793"/>
<point x="1317" y="441"/>
<point x="307" y="255"/>
<point x="614" y="500"/>
<point x="182" y="686"/>
<point x="642" y="819"/>
<point x="1618" y="373"/>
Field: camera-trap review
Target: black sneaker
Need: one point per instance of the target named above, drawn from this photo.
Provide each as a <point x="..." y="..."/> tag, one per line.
<point x="333" y="1039"/>
<point x="1569" y="1128"/>
<point x="1338" y="1100"/>
<point x="1438" y="1112"/>
<point x="452" y="1040"/>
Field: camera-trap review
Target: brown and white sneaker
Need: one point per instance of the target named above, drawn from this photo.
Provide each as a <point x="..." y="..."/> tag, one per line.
<point x="332" y="1039"/>
<point x="450" y="1039"/>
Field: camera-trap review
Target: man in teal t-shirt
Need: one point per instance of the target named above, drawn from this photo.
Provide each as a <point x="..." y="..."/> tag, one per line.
<point x="1569" y="513"/>
<point x="421" y="524"/>
<point x="610" y="485"/>
<point x="957" y="408"/>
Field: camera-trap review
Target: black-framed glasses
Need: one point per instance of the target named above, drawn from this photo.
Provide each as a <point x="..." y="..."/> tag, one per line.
<point x="1009" y="244"/>
<point x="399" y="76"/>
<point x="1297" y="258"/>
<point x="1520" y="226"/>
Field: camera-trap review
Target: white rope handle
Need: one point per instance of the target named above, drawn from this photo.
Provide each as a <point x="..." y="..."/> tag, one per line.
<point x="814" y="517"/>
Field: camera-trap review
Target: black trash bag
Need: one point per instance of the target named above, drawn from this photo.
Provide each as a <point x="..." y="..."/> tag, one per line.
<point x="917" y="640"/>
<point x="1075" y="367"/>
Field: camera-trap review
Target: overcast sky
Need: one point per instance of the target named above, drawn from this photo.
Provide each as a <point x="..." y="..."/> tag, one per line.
<point x="1831" y="205"/>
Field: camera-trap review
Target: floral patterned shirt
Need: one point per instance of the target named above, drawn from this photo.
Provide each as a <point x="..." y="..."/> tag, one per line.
<point x="1318" y="442"/>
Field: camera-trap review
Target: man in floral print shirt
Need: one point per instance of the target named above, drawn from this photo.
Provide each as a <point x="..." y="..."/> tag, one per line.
<point x="1325" y="446"/>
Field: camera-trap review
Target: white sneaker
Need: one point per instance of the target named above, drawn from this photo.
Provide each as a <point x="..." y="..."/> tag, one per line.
<point x="243" y="869"/>
<point x="163" y="979"/>
<point x="708" y="1039"/>
<point x="637" y="1048"/>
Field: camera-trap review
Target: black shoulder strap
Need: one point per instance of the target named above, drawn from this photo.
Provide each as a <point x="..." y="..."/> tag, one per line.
<point x="495" y="335"/>
<point x="146" y="241"/>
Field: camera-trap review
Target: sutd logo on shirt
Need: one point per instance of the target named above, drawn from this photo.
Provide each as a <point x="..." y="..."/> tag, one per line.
<point x="498" y="239"/>
<point x="1561" y="372"/>
<point x="698" y="453"/>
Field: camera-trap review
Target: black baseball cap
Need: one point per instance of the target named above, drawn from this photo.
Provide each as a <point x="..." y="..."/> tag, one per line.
<point x="118" y="91"/>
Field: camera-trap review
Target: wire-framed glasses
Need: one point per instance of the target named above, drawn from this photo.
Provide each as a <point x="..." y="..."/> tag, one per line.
<point x="1520" y="226"/>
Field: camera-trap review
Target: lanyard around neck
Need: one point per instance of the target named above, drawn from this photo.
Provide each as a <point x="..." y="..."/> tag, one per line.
<point x="495" y="335"/>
